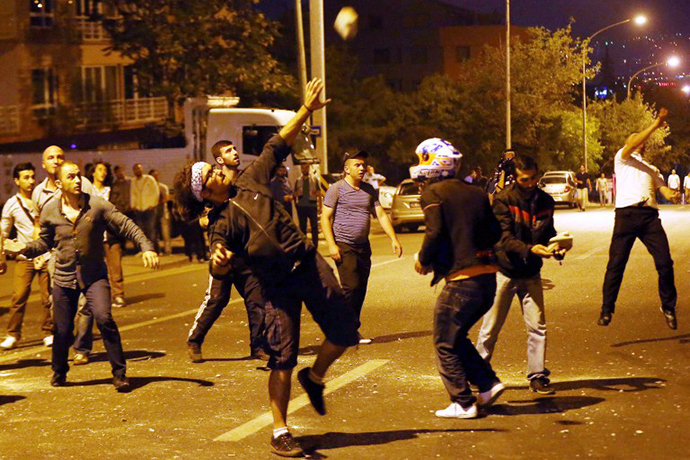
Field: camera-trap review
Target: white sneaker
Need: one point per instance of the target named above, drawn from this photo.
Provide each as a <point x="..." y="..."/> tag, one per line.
<point x="365" y="341"/>
<point x="48" y="341"/>
<point x="487" y="398"/>
<point x="455" y="410"/>
<point x="9" y="343"/>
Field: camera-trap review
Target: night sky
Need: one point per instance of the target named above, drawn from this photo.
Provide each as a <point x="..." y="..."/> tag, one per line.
<point x="666" y="16"/>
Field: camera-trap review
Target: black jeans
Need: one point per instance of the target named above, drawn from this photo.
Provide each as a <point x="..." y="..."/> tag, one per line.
<point x="459" y="306"/>
<point x="354" y="269"/>
<point x="643" y="223"/>
<point x="217" y="298"/>
<point x="65" y="302"/>
<point x="310" y="213"/>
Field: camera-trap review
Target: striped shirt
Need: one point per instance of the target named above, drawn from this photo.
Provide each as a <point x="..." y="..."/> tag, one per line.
<point x="352" y="210"/>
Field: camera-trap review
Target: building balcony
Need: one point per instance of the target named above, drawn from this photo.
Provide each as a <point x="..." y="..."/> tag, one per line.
<point x="89" y="30"/>
<point x="121" y="112"/>
<point x="9" y="120"/>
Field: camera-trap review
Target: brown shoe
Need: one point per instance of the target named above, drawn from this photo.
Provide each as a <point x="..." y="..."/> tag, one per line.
<point x="121" y="384"/>
<point x="80" y="359"/>
<point x="194" y="352"/>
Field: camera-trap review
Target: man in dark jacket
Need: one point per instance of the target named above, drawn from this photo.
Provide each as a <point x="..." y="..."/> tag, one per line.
<point x="460" y="233"/>
<point x="290" y="270"/>
<point x="526" y="217"/>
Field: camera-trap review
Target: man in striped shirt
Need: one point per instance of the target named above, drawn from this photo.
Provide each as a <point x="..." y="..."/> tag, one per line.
<point x="345" y="218"/>
<point x="19" y="213"/>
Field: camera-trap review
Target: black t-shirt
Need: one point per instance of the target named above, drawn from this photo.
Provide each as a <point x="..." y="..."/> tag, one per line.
<point x="584" y="177"/>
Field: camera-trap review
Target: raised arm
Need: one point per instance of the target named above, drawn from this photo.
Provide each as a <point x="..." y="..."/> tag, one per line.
<point x="638" y="139"/>
<point x="312" y="103"/>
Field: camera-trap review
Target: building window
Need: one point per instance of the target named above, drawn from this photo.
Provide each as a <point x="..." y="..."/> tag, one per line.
<point x="99" y="83"/>
<point x="88" y="8"/>
<point x="43" y="92"/>
<point x="375" y="22"/>
<point x="382" y="56"/>
<point x="462" y="53"/>
<point x="255" y="137"/>
<point x="41" y="13"/>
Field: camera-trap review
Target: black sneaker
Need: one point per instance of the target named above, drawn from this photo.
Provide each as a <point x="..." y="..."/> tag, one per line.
<point x="542" y="386"/>
<point x="58" y="380"/>
<point x="286" y="446"/>
<point x="670" y="317"/>
<point x="313" y="389"/>
<point x="194" y="352"/>
<point x="604" y="319"/>
<point x="121" y="384"/>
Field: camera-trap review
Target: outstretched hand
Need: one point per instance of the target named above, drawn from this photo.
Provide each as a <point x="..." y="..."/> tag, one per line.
<point x="661" y="116"/>
<point x="150" y="259"/>
<point x="312" y="96"/>
<point x="13" y="247"/>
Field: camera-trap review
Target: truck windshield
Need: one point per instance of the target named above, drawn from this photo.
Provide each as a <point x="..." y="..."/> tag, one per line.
<point x="255" y="137"/>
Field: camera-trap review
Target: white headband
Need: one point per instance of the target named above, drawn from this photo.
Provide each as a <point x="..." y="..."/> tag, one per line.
<point x="197" y="179"/>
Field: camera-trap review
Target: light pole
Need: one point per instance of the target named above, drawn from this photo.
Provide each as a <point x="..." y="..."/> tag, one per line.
<point x="509" y="140"/>
<point x="639" y="20"/>
<point x="673" y="61"/>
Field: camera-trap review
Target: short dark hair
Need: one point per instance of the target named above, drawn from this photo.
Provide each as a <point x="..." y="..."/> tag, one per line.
<point x="152" y="171"/>
<point x="58" y="171"/>
<point x="215" y="150"/>
<point x="186" y="204"/>
<point x="525" y="163"/>
<point x="22" y="167"/>
<point x="108" y="175"/>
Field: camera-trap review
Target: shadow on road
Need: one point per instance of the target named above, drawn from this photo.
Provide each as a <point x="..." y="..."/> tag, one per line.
<point x="336" y="440"/>
<point x="131" y="355"/>
<point x="24" y="363"/>
<point x="547" y="284"/>
<point x="4" y="310"/>
<point x="633" y="384"/>
<point x="685" y="338"/>
<point x="550" y="405"/>
<point x="139" y="382"/>
<point x="144" y="297"/>
<point x="10" y="399"/>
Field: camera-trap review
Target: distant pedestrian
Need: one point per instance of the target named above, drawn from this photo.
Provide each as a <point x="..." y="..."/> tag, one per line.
<point x="145" y="196"/>
<point x="584" y="186"/>
<point x="120" y="192"/>
<point x="686" y="186"/>
<point x="471" y="177"/>
<point x="162" y="214"/>
<point x="457" y="247"/>
<point x="345" y="220"/>
<point x="525" y="214"/>
<point x="74" y="225"/>
<point x="281" y="190"/>
<point x="602" y="186"/>
<point x="372" y="178"/>
<point x="637" y="216"/>
<point x="19" y="213"/>
<point x="308" y="200"/>
<point x="674" y="181"/>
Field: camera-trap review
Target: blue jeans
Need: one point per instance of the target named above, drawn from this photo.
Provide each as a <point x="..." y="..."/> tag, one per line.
<point x="531" y="296"/>
<point x="459" y="306"/>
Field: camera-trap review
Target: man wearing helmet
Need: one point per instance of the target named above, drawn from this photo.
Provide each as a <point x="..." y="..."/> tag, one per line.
<point x="526" y="216"/>
<point x="461" y="230"/>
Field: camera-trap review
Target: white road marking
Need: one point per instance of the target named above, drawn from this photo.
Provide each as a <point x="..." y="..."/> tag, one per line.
<point x="388" y="261"/>
<point x="589" y="253"/>
<point x="266" y="419"/>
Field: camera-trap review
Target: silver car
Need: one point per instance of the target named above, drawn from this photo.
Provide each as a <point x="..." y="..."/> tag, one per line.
<point x="405" y="210"/>
<point x="561" y="186"/>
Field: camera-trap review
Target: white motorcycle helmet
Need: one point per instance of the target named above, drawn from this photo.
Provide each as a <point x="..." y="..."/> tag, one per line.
<point x="437" y="159"/>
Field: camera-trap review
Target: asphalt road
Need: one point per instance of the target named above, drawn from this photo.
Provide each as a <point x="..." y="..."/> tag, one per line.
<point x="623" y="392"/>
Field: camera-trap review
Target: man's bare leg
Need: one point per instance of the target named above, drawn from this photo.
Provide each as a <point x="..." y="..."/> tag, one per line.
<point x="311" y="378"/>
<point x="279" y="385"/>
<point x="327" y="356"/>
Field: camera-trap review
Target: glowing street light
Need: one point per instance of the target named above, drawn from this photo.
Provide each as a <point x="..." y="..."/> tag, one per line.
<point x="638" y="20"/>
<point x="686" y="89"/>
<point x="673" y="61"/>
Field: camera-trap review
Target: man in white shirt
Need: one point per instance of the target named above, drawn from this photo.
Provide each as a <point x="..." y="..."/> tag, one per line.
<point x="145" y="196"/>
<point x="674" y="181"/>
<point x="20" y="213"/>
<point x="637" y="216"/>
<point x="372" y="178"/>
<point x="686" y="186"/>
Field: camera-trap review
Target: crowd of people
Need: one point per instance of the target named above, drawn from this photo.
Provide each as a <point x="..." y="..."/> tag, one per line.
<point x="487" y="248"/>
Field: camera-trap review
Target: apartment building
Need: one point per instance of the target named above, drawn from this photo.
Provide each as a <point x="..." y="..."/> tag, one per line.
<point x="57" y="77"/>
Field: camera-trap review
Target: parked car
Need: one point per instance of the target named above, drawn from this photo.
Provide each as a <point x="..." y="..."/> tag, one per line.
<point x="386" y="194"/>
<point x="405" y="210"/>
<point x="561" y="186"/>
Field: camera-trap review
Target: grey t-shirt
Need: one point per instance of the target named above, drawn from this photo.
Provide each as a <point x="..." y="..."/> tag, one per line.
<point x="352" y="211"/>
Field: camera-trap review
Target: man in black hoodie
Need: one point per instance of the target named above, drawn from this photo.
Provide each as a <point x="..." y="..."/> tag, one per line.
<point x="460" y="233"/>
<point x="526" y="217"/>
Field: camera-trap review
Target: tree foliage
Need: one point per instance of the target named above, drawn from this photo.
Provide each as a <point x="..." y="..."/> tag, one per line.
<point x="190" y="48"/>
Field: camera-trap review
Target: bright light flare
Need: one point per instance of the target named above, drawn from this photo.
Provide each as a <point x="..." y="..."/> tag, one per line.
<point x="686" y="89"/>
<point x="640" y="20"/>
<point x="673" y="61"/>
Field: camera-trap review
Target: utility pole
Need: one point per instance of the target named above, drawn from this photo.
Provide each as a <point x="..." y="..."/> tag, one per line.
<point x="301" y="54"/>
<point x="509" y="141"/>
<point x="318" y="70"/>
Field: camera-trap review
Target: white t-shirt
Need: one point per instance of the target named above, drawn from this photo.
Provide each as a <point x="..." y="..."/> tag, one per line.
<point x="674" y="181"/>
<point x="636" y="181"/>
<point x="686" y="182"/>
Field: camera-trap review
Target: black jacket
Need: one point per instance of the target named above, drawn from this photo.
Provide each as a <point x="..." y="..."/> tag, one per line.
<point x="461" y="229"/>
<point x="255" y="226"/>
<point x="524" y="223"/>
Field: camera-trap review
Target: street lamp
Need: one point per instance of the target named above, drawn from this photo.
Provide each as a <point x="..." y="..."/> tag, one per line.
<point x="638" y="20"/>
<point x="672" y="62"/>
<point x="686" y="89"/>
